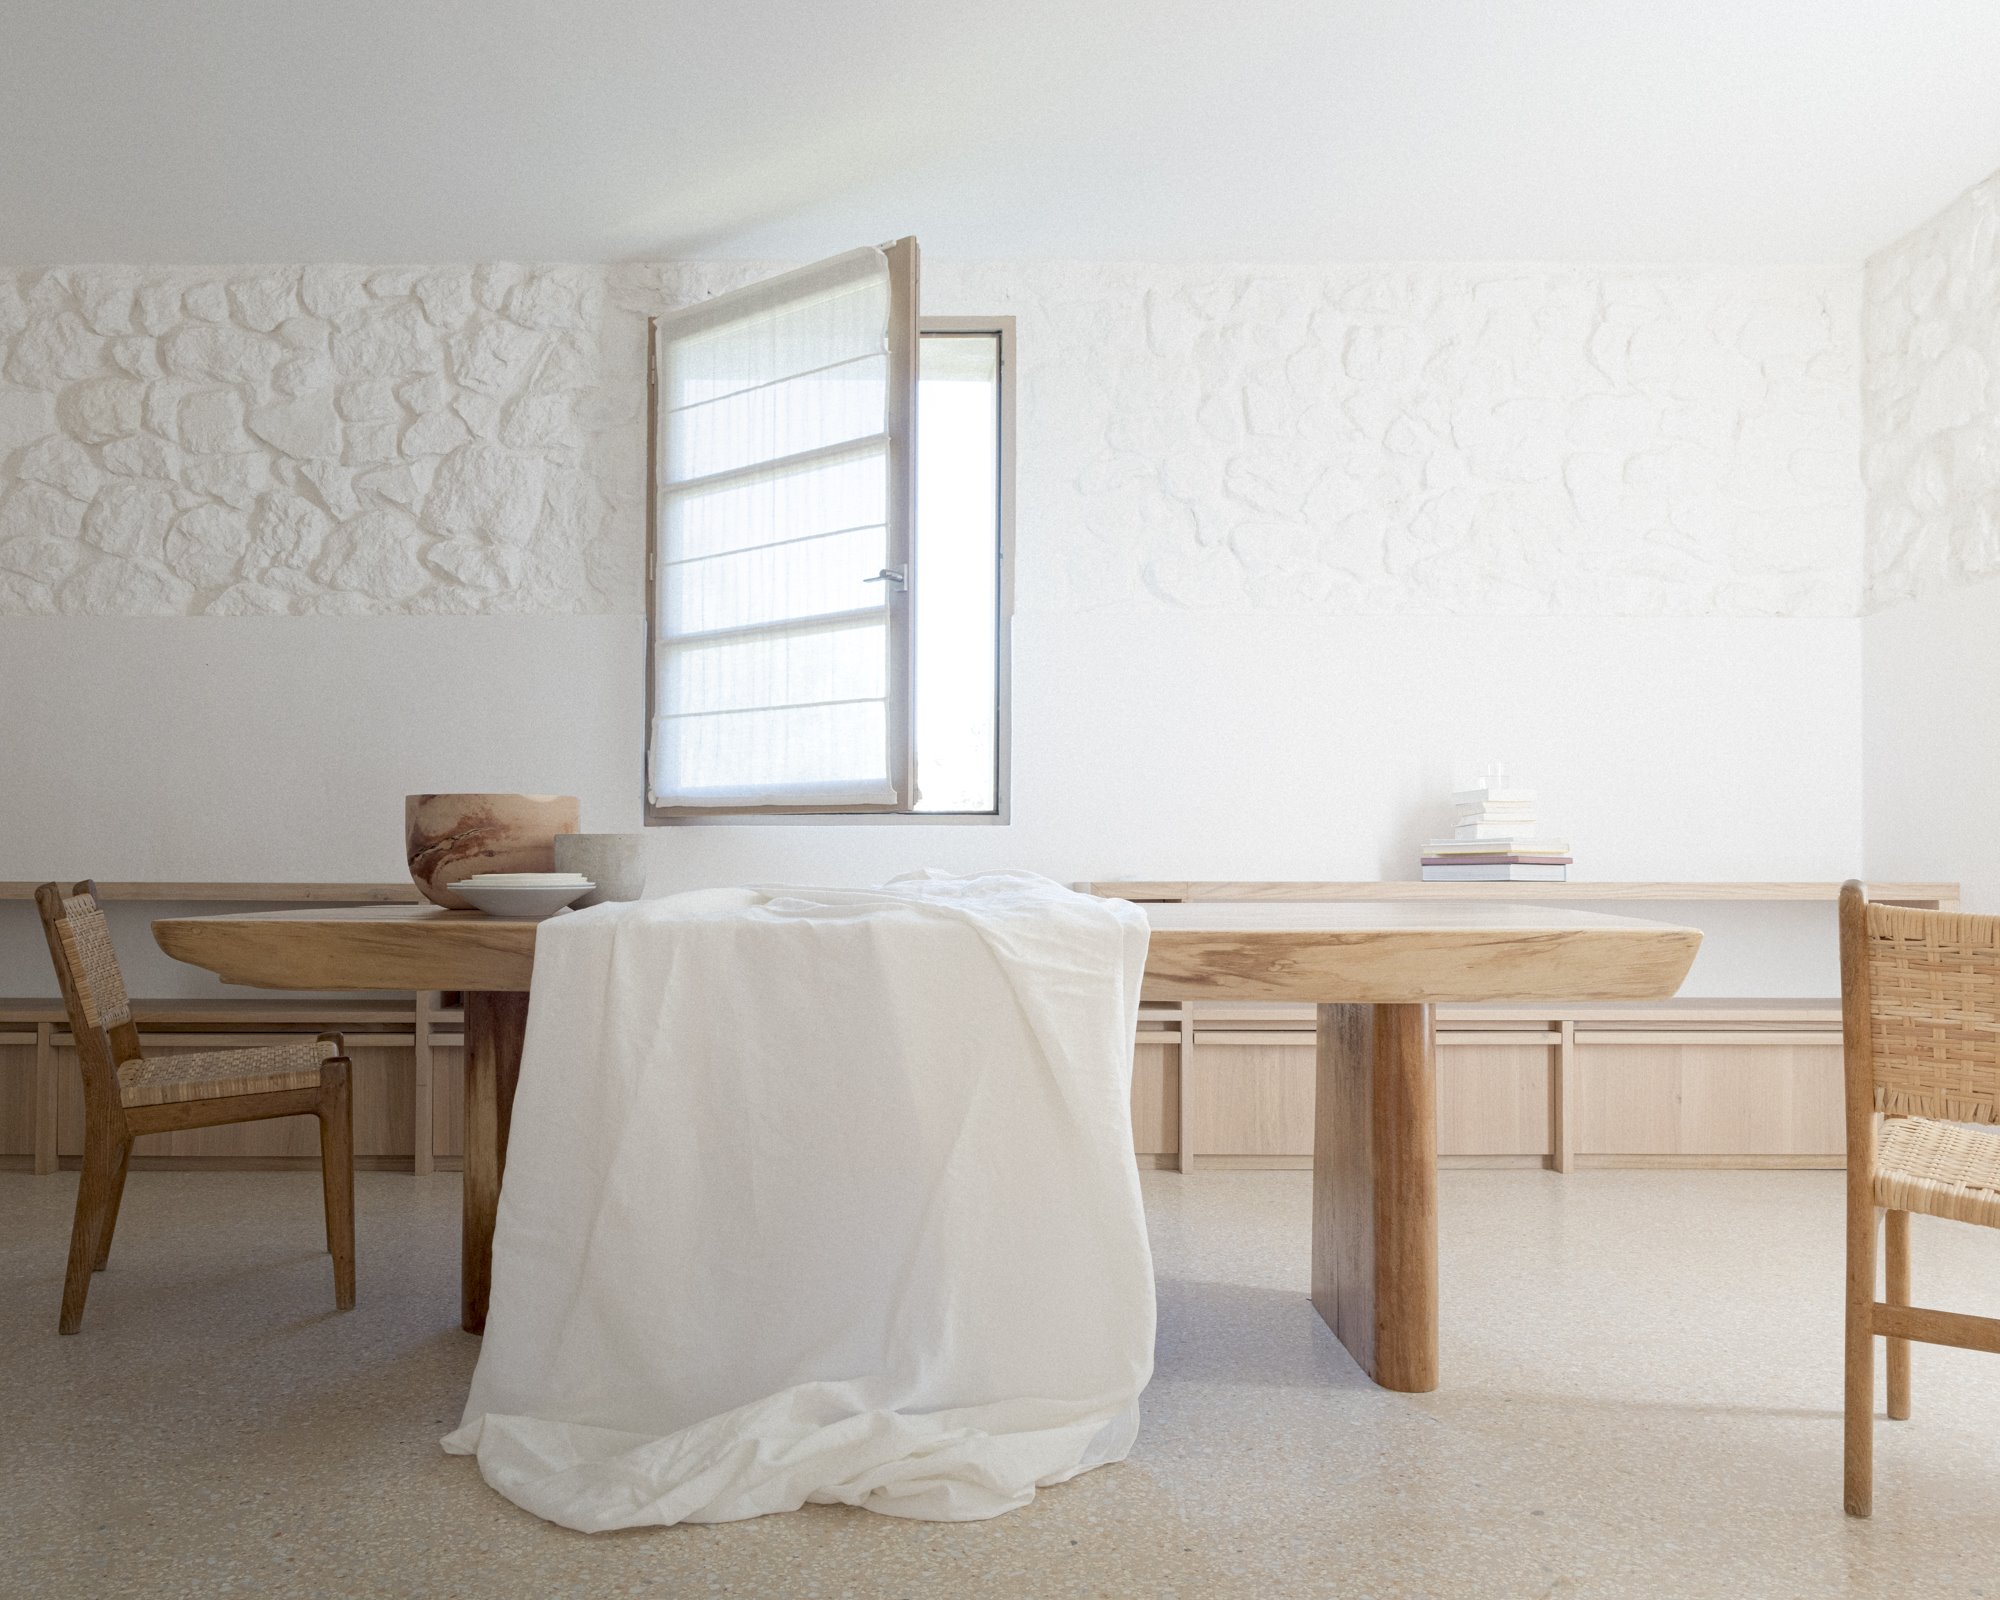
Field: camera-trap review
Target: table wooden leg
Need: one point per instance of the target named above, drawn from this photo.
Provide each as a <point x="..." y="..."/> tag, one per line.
<point x="495" y="1023"/>
<point x="1374" y="1271"/>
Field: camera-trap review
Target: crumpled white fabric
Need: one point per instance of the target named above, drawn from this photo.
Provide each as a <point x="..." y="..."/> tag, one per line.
<point x="819" y="1195"/>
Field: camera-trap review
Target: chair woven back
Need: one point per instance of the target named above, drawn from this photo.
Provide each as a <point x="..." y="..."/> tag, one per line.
<point x="1934" y="1013"/>
<point x="93" y="964"/>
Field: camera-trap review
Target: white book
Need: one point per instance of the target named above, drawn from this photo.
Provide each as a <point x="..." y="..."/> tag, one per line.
<point x="1497" y="875"/>
<point x="1512" y="844"/>
<point x="1495" y="830"/>
<point x="1477" y="797"/>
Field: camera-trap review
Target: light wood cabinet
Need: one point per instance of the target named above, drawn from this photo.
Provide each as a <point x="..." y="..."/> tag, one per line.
<point x="1674" y="1084"/>
<point x="1251" y="1095"/>
<point x="1680" y="1083"/>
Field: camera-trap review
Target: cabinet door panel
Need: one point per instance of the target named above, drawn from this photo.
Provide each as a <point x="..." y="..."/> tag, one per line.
<point x="1493" y="1099"/>
<point x="1252" y="1099"/>
<point x="448" y="1100"/>
<point x="17" y="1099"/>
<point x="1156" y="1098"/>
<point x="1711" y="1099"/>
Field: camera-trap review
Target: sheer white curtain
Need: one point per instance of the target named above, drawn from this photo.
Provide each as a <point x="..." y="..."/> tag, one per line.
<point x="780" y="646"/>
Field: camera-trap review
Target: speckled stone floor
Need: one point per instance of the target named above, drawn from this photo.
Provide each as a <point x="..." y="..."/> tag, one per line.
<point x="1641" y="1392"/>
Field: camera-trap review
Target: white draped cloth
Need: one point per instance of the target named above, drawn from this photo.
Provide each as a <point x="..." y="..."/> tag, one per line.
<point x="819" y="1195"/>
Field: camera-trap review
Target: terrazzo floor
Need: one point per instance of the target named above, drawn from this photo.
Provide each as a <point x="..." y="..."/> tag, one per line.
<point x="1641" y="1397"/>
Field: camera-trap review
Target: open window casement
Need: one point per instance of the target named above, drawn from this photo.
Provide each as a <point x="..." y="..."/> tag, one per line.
<point x="784" y="449"/>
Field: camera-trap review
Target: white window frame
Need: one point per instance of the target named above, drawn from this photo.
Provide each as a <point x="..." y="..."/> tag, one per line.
<point x="904" y="691"/>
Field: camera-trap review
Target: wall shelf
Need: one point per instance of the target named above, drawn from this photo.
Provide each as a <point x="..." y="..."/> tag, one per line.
<point x="1939" y="896"/>
<point x="298" y="894"/>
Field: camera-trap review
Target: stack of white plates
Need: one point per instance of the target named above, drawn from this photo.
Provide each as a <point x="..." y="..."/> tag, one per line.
<point x="523" y="894"/>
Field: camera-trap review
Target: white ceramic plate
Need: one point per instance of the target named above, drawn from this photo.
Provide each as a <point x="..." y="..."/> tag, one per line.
<point x="521" y="899"/>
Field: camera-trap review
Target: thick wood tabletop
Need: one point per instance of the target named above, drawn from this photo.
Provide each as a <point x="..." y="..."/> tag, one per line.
<point x="357" y="947"/>
<point x="1356" y="951"/>
<point x="1400" y="953"/>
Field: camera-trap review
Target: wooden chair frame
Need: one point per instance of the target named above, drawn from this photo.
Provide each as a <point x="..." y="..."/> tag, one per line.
<point x="1893" y="1317"/>
<point x="110" y="1126"/>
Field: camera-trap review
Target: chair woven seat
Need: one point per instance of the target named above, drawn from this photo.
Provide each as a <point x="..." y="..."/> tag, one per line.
<point x="208" y="1074"/>
<point x="1942" y="1169"/>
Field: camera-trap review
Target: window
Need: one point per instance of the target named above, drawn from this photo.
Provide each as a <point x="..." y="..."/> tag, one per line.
<point x="828" y="592"/>
<point x="961" y="602"/>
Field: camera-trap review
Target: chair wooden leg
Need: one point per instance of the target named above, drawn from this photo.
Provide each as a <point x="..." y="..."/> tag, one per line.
<point x="1896" y="1249"/>
<point x="101" y="1160"/>
<point x="336" y="1159"/>
<point x="1858" y="1465"/>
<point x="111" y="1207"/>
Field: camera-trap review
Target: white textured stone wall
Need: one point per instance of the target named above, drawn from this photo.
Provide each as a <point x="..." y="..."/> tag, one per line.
<point x="424" y="440"/>
<point x="312" y="440"/>
<point x="1931" y="403"/>
<point x="1432" y="439"/>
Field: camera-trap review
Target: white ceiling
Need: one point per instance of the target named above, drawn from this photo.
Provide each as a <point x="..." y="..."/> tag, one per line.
<point x="378" y="130"/>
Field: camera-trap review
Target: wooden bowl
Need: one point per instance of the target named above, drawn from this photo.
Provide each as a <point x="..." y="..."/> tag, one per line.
<point x="452" y="836"/>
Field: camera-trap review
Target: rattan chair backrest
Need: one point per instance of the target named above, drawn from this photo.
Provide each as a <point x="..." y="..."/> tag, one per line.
<point x="85" y="939"/>
<point x="1934" y="1013"/>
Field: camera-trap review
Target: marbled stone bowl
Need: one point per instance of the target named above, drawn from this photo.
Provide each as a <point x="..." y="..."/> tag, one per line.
<point x="452" y="836"/>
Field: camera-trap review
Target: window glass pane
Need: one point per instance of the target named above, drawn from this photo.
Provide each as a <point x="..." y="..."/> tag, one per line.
<point x="786" y="669"/>
<point x="958" y="571"/>
<point x="782" y="338"/>
<point x="835" y="750"/>
<point x="778" y="583"/>
<point x="778" y="419"/>
<point x="793" y="503"/>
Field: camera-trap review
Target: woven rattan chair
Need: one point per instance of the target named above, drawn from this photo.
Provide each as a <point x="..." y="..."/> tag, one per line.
<point x="1920" y="1011"/>
<point x="127" y="1094"/>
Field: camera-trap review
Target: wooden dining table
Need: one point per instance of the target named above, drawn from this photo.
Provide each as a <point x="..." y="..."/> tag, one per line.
<point x="1374" y="969"/>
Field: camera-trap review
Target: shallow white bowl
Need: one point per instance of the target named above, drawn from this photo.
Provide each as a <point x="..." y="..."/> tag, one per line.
<point x="521" y="900"/>
<point x="549" y="880"/>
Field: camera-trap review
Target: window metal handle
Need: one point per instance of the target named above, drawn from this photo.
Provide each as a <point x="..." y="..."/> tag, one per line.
<point x="899" y="576"/>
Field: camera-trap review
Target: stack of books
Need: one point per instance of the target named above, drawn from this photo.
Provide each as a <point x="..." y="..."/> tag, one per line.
<point x="1494" y="842"/>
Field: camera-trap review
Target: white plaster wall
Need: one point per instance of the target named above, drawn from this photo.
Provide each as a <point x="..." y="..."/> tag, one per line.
<point x="1932" y="748"/>
<point x="1156" y="745"/>
<point x="1931" y="454"/>
<point x="1411" y="439"/>
<point x="1931" y="402"/>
